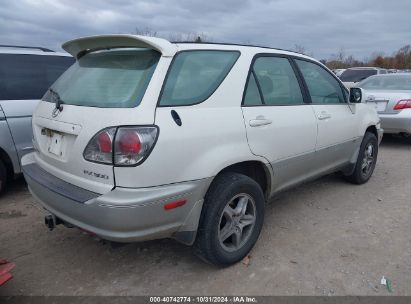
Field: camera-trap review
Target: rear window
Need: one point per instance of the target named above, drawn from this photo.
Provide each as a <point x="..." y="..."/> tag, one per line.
<point x="356" y="75"/>
<point x="195" y="75"/>
<point x="29" y="76"/>
<point x="389" y="82"/>
<point x="115" y="78"/>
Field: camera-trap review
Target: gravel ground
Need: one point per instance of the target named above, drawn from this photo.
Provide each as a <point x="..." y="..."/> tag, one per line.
<point x="326" y="237"/>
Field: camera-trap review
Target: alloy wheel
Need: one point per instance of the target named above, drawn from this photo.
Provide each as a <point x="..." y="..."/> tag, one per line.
<point x="368" y="159"/>
<point x="237" y="222"/>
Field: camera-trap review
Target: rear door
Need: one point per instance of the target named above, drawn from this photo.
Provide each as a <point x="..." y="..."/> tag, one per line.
<point x="24" y="79"/>
<point x="337" y="123"/>
<point x="280" y="124"/>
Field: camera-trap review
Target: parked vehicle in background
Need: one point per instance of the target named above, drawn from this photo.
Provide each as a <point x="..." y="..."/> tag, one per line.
<point x="25" y="75"/>
<point x="338" y="72"/>
<point x="353" y="75"/>
<point x="392" y="71"/>
<point x="391" y="96"/>
<point x="189" y="140"/>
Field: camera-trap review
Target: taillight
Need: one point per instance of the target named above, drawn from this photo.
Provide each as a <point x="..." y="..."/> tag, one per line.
<point x="403" y="104"/>
<point x="133" y="144"/>
<point x="100" y="147"/>
<point x="128" y="146"/>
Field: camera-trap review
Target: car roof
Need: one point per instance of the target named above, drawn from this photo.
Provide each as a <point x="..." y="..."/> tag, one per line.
<point x="365" y="68"/>
<point x="183" y="46"/>
<point x="30" y="50"/>
<point x="80" y="46"/>
<point x="392" y="75"/>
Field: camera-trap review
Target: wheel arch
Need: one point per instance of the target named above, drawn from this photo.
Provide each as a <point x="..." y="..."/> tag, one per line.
<point x="254" y="169"/>
<point x="372" y="129"/>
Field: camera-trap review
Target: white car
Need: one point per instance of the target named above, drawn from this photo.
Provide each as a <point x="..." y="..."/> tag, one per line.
<point x="144" y="139"/>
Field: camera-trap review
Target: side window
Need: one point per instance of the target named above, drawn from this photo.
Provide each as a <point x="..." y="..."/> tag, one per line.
<point x="323" y="87"/>
<point x="195" y="75"/>
<point x="277" y="80"/>
<point x="252" y="95"/>
<point x="29" y="76"/>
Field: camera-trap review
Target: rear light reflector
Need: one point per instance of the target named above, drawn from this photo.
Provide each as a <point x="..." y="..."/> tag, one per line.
<point x="104" y="142"/>
<point x="125" y="146"/>
<point x="403" y="104"/>
<point x="175" y="204"/>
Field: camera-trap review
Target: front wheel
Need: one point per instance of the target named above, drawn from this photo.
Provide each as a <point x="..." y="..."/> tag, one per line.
<point x="231" y="220"/>
<point x="366" y="161"/>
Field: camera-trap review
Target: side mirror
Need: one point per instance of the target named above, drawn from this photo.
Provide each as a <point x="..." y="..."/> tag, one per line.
<point x="355" y="95"/>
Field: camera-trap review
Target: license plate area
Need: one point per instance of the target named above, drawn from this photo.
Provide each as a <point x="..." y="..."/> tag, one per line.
<point x="379" y="105"/>
<point x="55" y="143"/>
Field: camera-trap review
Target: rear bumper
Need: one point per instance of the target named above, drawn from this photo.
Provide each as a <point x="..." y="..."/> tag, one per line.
<point x="123" y="214"/>
<point x="397" y="123"/>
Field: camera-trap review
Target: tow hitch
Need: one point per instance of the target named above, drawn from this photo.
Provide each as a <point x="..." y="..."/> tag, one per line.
<point x="52" y="221"/>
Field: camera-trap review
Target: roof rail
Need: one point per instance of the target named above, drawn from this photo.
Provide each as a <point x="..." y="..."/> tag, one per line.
<point x="238" y="44"/>
<point x="26" y="47"/>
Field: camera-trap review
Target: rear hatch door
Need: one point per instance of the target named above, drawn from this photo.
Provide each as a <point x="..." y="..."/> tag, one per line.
<point x="109" y="86"/>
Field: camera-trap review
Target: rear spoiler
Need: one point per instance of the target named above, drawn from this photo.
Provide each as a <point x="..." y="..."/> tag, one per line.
<point x="79" y="47"/>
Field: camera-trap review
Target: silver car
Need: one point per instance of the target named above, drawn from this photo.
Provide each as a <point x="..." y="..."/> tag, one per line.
<point x="352" y="76"/>
<point x="25" y="75"/>
<point x="391" y="96"/>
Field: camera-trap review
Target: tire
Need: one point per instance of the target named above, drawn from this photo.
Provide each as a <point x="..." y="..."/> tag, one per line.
<point x="366" y="161"/>
<point x="234" y="202"/>
<point x="3" y="176"/>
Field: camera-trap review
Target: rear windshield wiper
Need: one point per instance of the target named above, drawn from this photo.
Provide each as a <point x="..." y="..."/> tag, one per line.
<point x="57" y="99"/>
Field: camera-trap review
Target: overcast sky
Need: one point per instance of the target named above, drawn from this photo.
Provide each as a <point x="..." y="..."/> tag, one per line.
<point x="323" y="27"/>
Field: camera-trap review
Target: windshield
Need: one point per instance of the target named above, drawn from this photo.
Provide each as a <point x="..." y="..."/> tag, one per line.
<point x="356" y="75"/>
<point x="114" y="78"/>
<point x="391" y="82"/>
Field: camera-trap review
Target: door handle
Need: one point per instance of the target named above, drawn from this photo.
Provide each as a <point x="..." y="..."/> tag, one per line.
<point x="260" y="121"/>
<point x="324" y="115"/>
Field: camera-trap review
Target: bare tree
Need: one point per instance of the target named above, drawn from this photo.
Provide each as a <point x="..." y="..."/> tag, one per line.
<point x="175" y="37"/>
<point x="190" y="37"/>
<point x="146" y="32"/>
<point x="298" y="48"/>
<point x="340" y="55"/>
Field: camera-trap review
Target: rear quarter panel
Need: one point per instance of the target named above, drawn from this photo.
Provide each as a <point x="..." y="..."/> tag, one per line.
<point x="18" y="114"/>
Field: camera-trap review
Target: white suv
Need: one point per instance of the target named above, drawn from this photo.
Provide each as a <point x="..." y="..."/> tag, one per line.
<point x="144" y="139"/>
